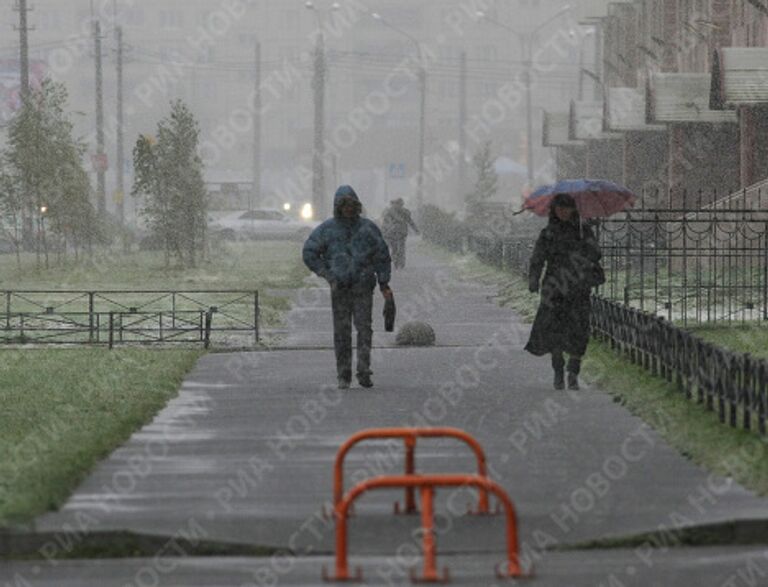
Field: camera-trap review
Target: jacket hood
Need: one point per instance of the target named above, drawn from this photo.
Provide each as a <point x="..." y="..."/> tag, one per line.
<point x="345" y="192"/>
<point x="566" y="201"/>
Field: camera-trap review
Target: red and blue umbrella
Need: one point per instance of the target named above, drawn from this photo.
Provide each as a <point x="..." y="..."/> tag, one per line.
<point x="595" y="198"/>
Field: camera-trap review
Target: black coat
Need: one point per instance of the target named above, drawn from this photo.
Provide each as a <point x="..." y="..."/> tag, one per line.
<point x="562" y="321"/>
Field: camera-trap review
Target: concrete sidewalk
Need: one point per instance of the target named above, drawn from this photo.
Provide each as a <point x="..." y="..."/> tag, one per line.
<point x="245" y="452"/>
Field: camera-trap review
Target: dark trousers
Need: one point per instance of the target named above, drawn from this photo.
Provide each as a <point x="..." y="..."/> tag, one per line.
<point x="558" y="362"/>
<point x="397" y="250"/>
<point x="352" y="305"/>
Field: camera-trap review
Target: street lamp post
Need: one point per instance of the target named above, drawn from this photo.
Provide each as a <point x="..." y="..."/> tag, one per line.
<point x="527" y="41"/>
<point x="422" y="75"/>
<point x="318" y="87"/>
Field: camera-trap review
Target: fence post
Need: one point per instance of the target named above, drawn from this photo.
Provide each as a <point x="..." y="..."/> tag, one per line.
<point x="747" y="390"/>
<point x="256" y="316"/>
<point x="111" y="330"/>
<point x="7" y="310"/>
<point x="762" y="389"/>
<point x="90" y="316"/>
<point x="765" y="272"/>
<point x="208" y="322"/>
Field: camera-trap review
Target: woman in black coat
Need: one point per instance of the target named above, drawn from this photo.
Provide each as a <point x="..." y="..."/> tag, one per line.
<point x="571" y="254"/>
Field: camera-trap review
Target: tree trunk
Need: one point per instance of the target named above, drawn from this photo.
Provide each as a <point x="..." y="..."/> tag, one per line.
<point x="37" y="246"/>
<point x="45" y="242"/>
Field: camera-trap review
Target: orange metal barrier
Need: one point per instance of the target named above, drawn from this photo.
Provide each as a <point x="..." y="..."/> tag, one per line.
<point x="409" y="435"/>
<point x="426" y="485"/>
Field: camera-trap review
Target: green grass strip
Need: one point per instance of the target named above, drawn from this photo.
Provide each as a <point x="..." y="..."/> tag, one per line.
<point x="61" y="411"/>
<point x="744" y="338"/>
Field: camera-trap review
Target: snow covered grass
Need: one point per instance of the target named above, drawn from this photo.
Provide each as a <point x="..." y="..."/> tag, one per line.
<point x="236" y="265"/>
<point x="685" y="425"/>
<point x="64" y="410"/>
<point x="745" y="338"/>
<point x="239" y="266"/>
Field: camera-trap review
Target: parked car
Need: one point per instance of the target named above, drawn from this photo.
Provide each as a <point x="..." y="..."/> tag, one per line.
<point x="260" y="224"/>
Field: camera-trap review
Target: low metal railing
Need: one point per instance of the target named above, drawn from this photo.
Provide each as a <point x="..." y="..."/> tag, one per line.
<point x="732" y="383"/>
<point x="131" y="316"/>
<point x="108" y="328"/>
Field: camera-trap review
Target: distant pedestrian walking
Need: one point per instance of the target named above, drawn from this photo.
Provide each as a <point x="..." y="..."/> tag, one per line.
<point x="571" y="255"/>
<point x="350" y="253"/>
<point x="397" y="220"/>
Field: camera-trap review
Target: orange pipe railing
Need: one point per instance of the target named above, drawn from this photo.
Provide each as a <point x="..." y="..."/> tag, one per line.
<point x="426" y="485"/>
<point x="409" y="435"/>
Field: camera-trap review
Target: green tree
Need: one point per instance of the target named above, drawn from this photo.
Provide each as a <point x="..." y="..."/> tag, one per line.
<point x="11" y="211"/>
<point x="44" y="181"/>
<point x="169" y="173"/>
<point x="487" y="183"/>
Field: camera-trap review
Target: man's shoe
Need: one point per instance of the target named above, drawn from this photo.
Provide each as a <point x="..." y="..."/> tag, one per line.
<point x="573" y="382"/>
<point x="365" y="380"/>
<point x="559" y="379"/>
<point x="344" y="383"/>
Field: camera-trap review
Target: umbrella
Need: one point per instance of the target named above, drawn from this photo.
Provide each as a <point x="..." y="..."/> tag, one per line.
<point x="595" y="198"/>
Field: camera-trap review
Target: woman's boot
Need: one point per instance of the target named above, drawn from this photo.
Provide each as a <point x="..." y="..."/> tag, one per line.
<point x="574" y="368"/>
<point x="558" y="365"/>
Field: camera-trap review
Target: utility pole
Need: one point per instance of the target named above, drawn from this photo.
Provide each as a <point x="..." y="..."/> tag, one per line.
<point x="101" y="190"/>
<point x="21" y="6"/>
<point x="422" y="131"/>
<point x="318" y="152"/>
<point x="120" y="162"/>
<point x="256" y="192"/>
<point x="27" y="221"/>
<point x="462" y="128"/>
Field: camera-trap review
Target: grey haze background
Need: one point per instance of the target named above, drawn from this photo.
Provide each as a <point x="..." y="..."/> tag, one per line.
<point x="203" y="52"/>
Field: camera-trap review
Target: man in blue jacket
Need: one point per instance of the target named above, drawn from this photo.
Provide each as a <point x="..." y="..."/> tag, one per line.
<point x="351" y="255"/>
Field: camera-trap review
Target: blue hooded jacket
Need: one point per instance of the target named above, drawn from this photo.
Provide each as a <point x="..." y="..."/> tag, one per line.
<point x="348" y="252"/>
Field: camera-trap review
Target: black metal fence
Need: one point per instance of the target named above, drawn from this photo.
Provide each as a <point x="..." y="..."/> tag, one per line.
<point x="734" y="384"/>
<point x="114" y="317"/>
<point x="692" y="266"/>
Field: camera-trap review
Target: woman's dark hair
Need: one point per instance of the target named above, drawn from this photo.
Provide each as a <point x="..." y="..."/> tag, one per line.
<point x="563" y="201"/>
